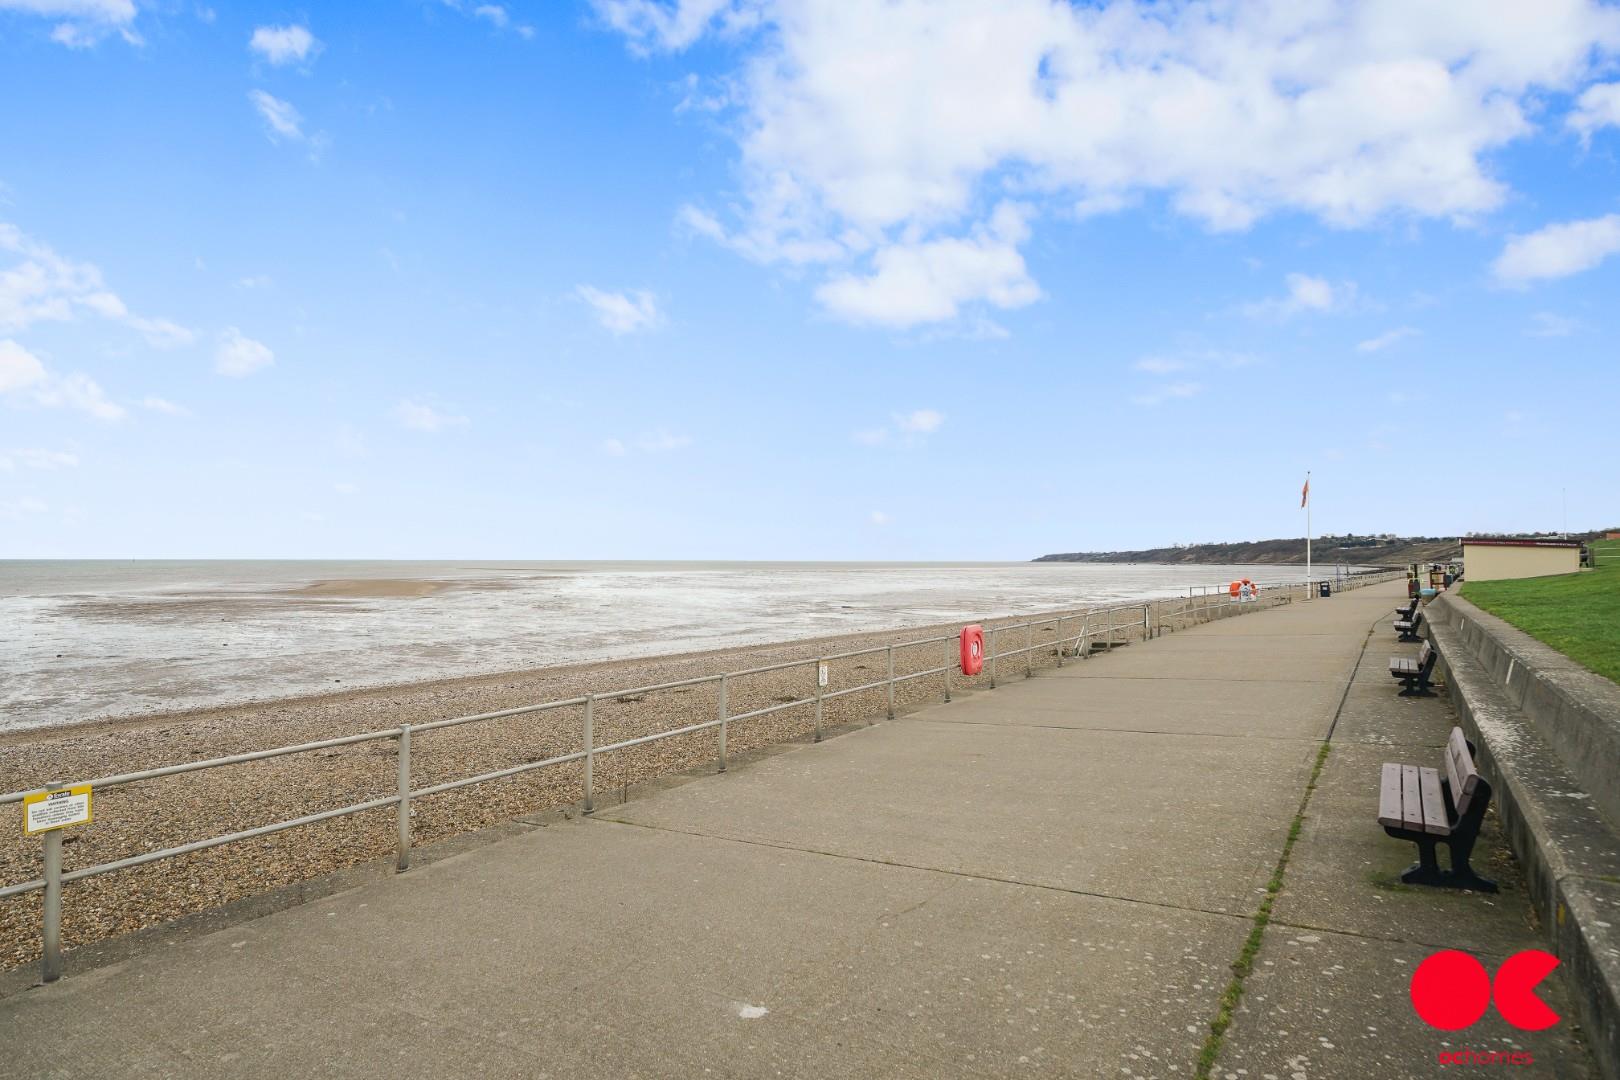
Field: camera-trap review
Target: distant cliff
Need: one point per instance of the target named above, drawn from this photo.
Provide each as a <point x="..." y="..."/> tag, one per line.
<point x="1367" y="550"/>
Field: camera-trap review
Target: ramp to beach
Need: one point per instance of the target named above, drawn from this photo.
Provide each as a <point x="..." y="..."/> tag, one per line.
<point x="1053" y="878"/>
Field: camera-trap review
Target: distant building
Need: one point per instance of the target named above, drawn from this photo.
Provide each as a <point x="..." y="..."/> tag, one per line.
<point x="1486" y="559"/>
<point x="1614" y="534"/>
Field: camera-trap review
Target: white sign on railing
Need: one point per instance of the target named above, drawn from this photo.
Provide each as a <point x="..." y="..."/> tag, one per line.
<point x="47" y="810"/>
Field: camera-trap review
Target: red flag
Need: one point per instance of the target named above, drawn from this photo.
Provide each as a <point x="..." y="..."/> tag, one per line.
<point x="1305" y="493"/>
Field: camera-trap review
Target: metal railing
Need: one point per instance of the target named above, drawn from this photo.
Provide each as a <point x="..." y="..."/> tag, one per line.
<point x="1093" y="628"/>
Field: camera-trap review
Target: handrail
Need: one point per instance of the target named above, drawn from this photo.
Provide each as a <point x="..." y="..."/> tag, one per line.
<point x="1093" y="625"/>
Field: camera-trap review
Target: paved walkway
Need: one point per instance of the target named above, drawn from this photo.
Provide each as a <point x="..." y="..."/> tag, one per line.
<point x="1053" y="878"/>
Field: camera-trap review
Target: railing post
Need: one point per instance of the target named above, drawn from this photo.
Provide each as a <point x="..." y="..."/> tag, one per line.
<point x="1083" y="643"/>
<point x="1145" y="622"/>
<point x="1060" y="640"/>
<point x="822" y="674"/>
<point x="949" y="660"/>
<point x="51" y="931"/>
<point x="891" y="682"/>
<point x="995" y="652"/>
<point x="720" y="710"/>
<point x="403" y="862"/>
<point x="1029" y="648"/>
<point x="590" y="750"/>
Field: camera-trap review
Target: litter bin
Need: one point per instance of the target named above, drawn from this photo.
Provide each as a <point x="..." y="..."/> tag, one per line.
<point x="1324" y="589"/>
<point x="1411" y="588"/>
<point x="1448" y="579"/>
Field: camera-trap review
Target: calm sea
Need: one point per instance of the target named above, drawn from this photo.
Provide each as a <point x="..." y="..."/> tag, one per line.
<point x="88" y="639"/>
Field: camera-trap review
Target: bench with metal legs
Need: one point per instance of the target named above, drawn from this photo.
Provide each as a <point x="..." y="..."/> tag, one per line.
<point x="1421" y="805"/>
<point x="1416" y="675"/>
<point x="1408" y="628"/>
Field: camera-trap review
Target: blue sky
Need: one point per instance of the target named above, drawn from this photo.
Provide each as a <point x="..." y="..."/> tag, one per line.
<point x="775" y="279"/>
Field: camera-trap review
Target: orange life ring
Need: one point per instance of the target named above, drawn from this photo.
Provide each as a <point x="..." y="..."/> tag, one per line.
<point x="972" y="649"/>
<point x="1254" y="590"/>
<point x="1237" y="587"/>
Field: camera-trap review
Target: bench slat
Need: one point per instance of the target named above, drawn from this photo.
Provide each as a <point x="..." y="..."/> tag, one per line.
<point x="1461" y="771"/>
<point x="1411" y="798"/>
<point x="1434" y="803"/>
<point x="1389" y="797"/>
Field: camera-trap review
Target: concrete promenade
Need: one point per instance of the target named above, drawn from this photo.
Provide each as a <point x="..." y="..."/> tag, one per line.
<point x="1053" y="878"/>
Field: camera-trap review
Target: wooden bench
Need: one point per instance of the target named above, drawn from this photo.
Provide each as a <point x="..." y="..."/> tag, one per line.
<point x="1408" y="628"/>
<point x="1404" y="614"/>
<point x="1430" y="807"/>
<point x="1416" y="675"/>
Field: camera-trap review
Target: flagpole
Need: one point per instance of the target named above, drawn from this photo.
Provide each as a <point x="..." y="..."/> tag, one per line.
<point x="1307" y="532"/>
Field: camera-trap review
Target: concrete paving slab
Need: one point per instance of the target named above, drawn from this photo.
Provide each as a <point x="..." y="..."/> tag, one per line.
<point x="1172" y="706"/>
<point x="1159" y="818"/>
<point x="1258" y="666"/>
<point x="1323" y="1006"/>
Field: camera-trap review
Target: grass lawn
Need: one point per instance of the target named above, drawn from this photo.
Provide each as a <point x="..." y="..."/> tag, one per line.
<point x="1577" y="614"/>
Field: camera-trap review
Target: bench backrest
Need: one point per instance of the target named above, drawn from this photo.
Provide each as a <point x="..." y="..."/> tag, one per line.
<point x="1460" y="771"/>
<point x="1426" y="654"/>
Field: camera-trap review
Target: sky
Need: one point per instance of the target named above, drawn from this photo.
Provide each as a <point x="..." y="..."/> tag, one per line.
<point x="801" y="279"/>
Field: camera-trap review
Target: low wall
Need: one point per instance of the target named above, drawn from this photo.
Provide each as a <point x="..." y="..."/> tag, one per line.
<point x="1547" y="735"/>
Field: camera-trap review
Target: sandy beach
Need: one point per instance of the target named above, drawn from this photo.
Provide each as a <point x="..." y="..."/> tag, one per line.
<point x="175" y="810"/>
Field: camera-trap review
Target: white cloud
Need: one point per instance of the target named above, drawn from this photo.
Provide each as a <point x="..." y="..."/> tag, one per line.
<point x="657" y="441"/>
<point x="1558" y="250"/>
<point x="871" y="436"/>
<point x="1170" y="392"/>
<point x="494" y="13"/>
<point x="662" y="442"/>
<point x="1386" y="339"/>
<point x="164" y="406"/>
<point x="281" y="119"/>
<point x="80" y="392"/>
<point x="16" y="509"/>
<point x="1597" y="107"/>
<point x="11" y="460"/>
<point x="86" y="22"/>
<point x="238" y="355"/>
<point x="346" y="488"/>
<point x="921" y="421"/>
<point x="879" y="518"/>
<point x="422" y="417"/>
<point x="284" y="44"/>
<point x="622" y="312"/>
<point x="1305" y="293"/>
<point x="1549" y="324"/>
<point x="866" y="127"/>
<point x="1160" y="365"/>
<point x="255" y="281"/>
<point x="24" y="376"/>
<point x="47" y="287"/>
<point x="19" y="368"/>
<point x="652" y="25"/>
<point x="928" y="282"/>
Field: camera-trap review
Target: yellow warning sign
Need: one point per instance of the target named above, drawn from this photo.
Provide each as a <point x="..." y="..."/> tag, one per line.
<point x="47" y="810"/>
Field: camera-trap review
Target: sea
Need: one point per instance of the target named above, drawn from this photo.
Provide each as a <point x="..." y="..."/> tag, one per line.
<point x="94" y="639"/>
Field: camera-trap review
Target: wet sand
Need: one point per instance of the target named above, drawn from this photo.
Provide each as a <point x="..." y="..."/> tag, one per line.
<point x="369" y="588"/>
<point x="174" y="810"/>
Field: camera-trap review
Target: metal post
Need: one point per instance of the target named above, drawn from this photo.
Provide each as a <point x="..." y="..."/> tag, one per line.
<point x="590" y="751"/>
<point x="404" y="861"/>
<point x="1083" y="643"/>
<point x="949" y="660"/>
<point x="994" y="653"/>
<point x="1029" y="649"/>
<point x="720" y="710"/>
<point x="1145" y="622"/>
<point x="1060" y="640"/>
<point x="819" y="688"/>
<point x="891" y="682"/>
<point x="51" y="963"/>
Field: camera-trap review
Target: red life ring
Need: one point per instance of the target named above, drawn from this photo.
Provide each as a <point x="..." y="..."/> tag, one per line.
<point x="972" y="649"/>
<point x="1236" y="587"/>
